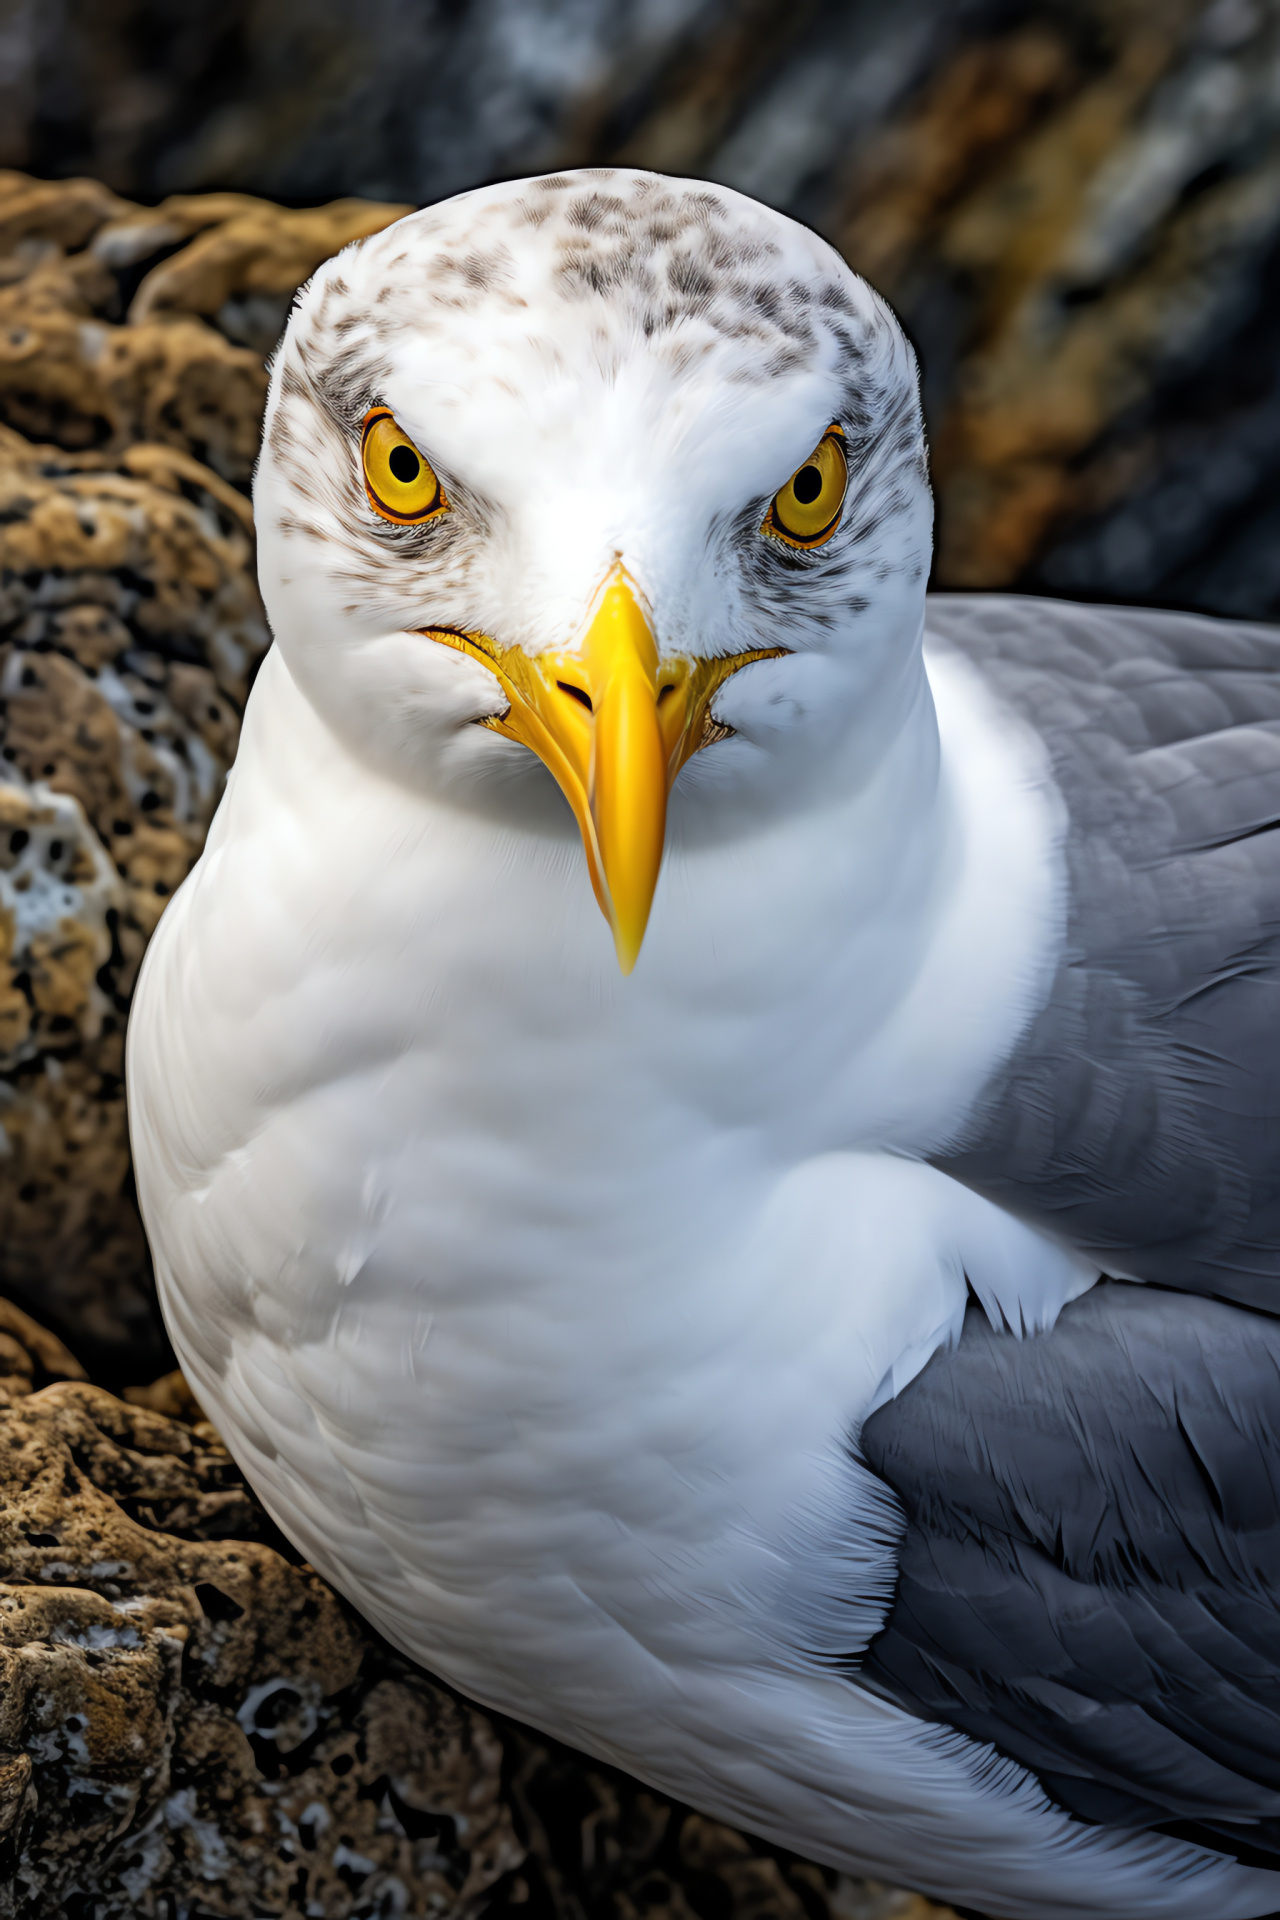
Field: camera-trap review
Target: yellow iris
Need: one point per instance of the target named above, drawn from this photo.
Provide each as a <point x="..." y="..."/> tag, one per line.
<point x="806" y="511"/>
<point x="401" y="485"/>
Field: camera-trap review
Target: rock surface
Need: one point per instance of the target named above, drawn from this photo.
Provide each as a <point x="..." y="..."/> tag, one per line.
<point x="203" y="284"/>
<point x="129" y="629"/>
<point x="191" y="1724"/>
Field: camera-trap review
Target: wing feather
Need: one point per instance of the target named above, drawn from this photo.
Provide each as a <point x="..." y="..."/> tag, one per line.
<point x="1140" y="1114"/>
<point x="1090" y="1572"/>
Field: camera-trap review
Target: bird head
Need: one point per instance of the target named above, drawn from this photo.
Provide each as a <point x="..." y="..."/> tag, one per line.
<point x="604" y="476"/>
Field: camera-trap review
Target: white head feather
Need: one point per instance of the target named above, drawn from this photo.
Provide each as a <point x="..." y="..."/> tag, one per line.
<point x="604" y="368"/>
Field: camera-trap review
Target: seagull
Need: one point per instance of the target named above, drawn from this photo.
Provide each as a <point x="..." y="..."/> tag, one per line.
<point x="709" y="1123"/>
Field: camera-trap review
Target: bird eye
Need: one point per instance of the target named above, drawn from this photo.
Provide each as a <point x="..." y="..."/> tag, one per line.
<point x="401" y="485"/>
<point x="806" y="511"/>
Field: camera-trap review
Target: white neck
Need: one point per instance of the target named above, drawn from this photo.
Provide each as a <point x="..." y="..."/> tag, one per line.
<point x="878" y="951"/>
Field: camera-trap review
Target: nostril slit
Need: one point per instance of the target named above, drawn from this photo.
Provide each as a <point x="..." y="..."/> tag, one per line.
<point x="576" y="693"/>
<point x="664" y="691"/>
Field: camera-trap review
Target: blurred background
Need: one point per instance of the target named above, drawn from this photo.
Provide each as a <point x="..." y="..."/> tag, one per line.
<point x="1074" y="206"/>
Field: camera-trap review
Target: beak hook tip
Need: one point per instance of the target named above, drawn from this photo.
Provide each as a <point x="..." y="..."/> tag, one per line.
<point x="627" y="955"/>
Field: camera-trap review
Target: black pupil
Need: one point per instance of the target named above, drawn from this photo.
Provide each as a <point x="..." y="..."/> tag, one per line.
<point x="807" y="485"/>
<point x="406" y="466"/>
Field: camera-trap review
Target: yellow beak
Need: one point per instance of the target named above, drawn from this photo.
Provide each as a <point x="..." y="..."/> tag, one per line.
<point x="615" y="723"/>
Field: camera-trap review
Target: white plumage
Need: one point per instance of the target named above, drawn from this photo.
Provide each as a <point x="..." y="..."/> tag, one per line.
<point x="541" y="1304"/>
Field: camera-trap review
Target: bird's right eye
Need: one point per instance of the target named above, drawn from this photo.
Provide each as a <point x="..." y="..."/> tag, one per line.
<point x="806" y="511"/>
<point x="401" y="485"/>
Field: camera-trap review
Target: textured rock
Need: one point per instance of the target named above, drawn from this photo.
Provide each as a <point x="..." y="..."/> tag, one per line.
<point x="69" y="378"/>
<point x="246" y="260"/>
<point x="74" y="259"/>
<point x="129" y="629"/>
<point x="192" y="1724"/>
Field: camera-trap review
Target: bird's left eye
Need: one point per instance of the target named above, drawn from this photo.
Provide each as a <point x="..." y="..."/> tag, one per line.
<point x="806" y="511"/>
<point x="401" y="485"/>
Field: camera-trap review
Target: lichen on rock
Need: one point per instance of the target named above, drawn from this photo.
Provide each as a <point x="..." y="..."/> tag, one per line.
<point x="129" y="629"/>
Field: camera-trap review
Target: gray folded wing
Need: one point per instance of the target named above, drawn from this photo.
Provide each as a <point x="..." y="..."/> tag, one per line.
<point x="1091" y="1568"/>
<point x="1140" y="1115"/>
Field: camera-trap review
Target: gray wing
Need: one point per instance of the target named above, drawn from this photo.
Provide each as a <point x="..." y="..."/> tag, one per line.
<point x="1090" y="1574"/>
<point x="1140" y="1116"/>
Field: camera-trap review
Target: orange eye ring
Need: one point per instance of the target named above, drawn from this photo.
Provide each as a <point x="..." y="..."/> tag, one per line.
<point x="400" y="484"/>
<point x="806" y="512"/>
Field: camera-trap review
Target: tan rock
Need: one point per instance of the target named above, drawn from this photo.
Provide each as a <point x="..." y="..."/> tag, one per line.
<point x="71" y="379"/>
<point x="58" y="213"/>
<point x="68" y="375"/>
<point x="129" y="628"/>
<point x="251" y="249"/>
